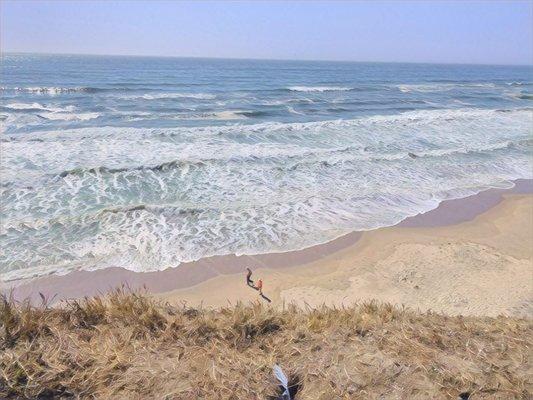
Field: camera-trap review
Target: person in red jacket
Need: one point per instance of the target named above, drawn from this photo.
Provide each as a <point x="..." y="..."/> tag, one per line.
<point x="259" y="286"/>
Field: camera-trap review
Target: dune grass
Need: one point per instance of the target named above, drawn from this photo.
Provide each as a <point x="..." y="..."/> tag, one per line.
<point x="129" y="346"/>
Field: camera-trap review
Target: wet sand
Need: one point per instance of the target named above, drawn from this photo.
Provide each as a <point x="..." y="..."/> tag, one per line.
<point x="385" y="264"/>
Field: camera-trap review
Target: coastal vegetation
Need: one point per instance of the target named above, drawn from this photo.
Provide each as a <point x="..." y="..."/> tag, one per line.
<point x="127" y="345"/>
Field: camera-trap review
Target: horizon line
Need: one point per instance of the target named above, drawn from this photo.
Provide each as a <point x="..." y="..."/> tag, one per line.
<point x="2" y="52"/>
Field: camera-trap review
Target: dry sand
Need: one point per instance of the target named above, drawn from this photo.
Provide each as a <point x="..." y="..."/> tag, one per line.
<point x="479" y="267"/>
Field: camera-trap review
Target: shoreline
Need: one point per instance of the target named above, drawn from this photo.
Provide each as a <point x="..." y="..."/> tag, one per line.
<point x="187" y="275"/>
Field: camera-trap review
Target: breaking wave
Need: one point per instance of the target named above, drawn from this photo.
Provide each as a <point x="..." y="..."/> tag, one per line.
<point x="158" y="197"/>
<point x="428" y="88"/>
<point x="159" y="96"/>
<point x="318" y="88"/>
<point x="59" y="90"/>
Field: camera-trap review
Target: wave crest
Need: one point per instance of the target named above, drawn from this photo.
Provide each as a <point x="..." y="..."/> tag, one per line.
<point x="318" y="88"/>
<point x="59" y="90"/>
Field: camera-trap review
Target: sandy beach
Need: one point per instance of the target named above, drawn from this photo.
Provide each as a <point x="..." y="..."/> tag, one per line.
<point x="478" y="267"/>
<point x="469" y="256"/>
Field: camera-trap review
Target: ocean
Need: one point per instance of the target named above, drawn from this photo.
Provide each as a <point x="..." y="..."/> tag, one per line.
<point x="146" y="163"/>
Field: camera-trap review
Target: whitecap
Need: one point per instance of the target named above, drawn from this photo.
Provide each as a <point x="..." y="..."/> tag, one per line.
<point x="293" y="111"/>
<point x="38" y="106"/>
<point x="216" y="115"/>
<point x="51" y="90"/>
<point x="440" y="87"/>
<point x="158" y="96"/>
<point x="63" y="116"/>
<point x="25" y="106"/>
<point x="318" y="88"/>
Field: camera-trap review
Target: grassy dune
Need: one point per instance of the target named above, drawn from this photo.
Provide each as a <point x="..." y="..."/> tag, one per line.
<point x="128" y="346"/>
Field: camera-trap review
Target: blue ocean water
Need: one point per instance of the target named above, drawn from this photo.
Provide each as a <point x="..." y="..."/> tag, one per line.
<point x="145" y="162"/>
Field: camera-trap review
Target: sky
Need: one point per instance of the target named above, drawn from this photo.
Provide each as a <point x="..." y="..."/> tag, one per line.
<point x="478" y="32"/>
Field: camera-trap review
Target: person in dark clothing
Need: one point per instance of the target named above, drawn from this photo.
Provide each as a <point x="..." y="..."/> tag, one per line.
<point x="249" y="280"/>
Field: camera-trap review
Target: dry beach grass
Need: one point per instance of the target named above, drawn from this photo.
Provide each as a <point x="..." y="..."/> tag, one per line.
<point x="129" y="346"/>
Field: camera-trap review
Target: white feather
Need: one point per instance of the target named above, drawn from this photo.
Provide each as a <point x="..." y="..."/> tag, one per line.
<point x="282" y="378"/>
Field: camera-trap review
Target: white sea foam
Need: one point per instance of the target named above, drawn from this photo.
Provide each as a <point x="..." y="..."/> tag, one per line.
<point x="293" y="111"/>
<point x="222" y="115"/>
<point x="441" y="87"/>
<point x="38" y="106"/>
<point x="25" y="106"/>
<point x="19" y="120"/>
<point x="64" y="116"/>
<point x="158" y="197"/>
<point x="318" y="88"/>
<point x="51" y="90"/>
<point x="226" y="115"/>
<point x="158" y="96"/>
<point x="518" y="83"/>
<point x="37" y="113"/>
<point x="518" y="94"/>
<point x="284" y="102"/>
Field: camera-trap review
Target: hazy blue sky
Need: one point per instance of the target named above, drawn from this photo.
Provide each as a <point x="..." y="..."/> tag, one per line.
<point x="418" y="31"/>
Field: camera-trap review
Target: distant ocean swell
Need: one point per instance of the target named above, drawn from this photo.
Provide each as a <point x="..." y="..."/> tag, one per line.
<point x="152" y="198"/>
